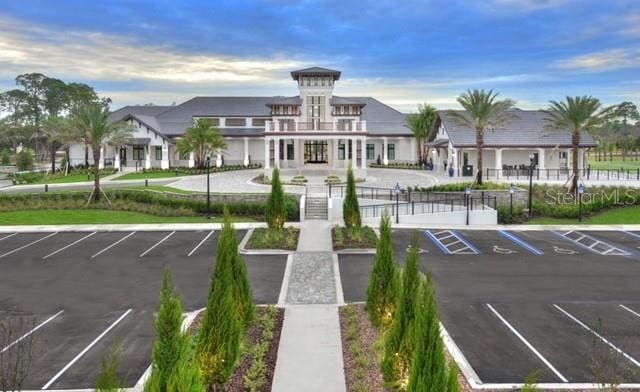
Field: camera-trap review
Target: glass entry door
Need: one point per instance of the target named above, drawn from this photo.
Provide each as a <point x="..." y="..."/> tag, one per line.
<point x="316" y="151"/>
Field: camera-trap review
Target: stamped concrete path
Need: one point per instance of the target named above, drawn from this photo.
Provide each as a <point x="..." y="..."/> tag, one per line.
<point x="310" y="351"/>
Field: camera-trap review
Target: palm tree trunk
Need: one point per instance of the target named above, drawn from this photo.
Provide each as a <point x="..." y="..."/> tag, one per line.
<point x="479" y="147"/>
<point x="96" y="171"/>
<point x="575" y="140"/>
<point x="53" y="157"/>
<point x="86" y="156"/>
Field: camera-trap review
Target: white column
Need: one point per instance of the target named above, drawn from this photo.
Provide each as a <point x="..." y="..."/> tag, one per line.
<point x="147" y="157"/>
<point x="414" y="150"/>
<point x="101" y="161"/>
<point x="246" y="151"/>
<point x="363" y="152"/>
<point x="192" y="160"/>
<point x="498" y="162"/>
<point x="276" y="152"/>
<point x="165" y="156"/>
<point x="385" y="157"/>
<point x="296" y="153"/>
<point x="116" y="158"/>
<point x="354" y="153"/>
<point x="267" y="153"/>
<point x="580" y="160"/>
<point x="218" y="159"/>
<point x="541" y="158"/>
<point x="336" y="142"/>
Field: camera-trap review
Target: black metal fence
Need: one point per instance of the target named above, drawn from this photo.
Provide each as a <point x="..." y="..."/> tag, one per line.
<point x="405" y="195"/>
<point x="564" y="174"/>
<point x="433" y="206"/>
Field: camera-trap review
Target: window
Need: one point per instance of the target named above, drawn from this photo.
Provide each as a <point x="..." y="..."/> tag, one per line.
<point x="391" y="152"/>
<point x="371" y="152"/>
<point x="158" y="153"/>
<point x="344" y="125"/>
<point x="281" y="148"/>
<point x="185" y="156"/>
<point x="351" y="147"/>
<point x="215" y="121"/>
<point x="258" y="122"/>
<point x="341" y="151"/>
<point x="235" y="122"/>
<point x="138" y="153"/>
<point x="290" y="150"/>
<point x="563" y="155"/>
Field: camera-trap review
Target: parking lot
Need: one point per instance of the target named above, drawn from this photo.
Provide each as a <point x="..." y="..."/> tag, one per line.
<point x="87" y="291"/>
<point x="519" y="301"/>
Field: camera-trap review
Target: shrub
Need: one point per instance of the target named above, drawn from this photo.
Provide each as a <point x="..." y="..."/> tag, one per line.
<point x="108" y="380"/>
<point x="168" y="346"/>
<point x="350" y="207"/>
<point x="218" y="343"/>
<point x="5" y="158"/>
<point x="382" y="293"/>
<point x="399" y="345"/>
<point x="186" y="375"/>
<point x="242" y="293"/>
<point x="24" y="160"/>
<point x="275" y="211"/>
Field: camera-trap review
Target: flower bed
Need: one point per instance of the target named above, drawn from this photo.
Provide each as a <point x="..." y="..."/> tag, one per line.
<point x="355" y="238"/>
<point x="265" y="238"/>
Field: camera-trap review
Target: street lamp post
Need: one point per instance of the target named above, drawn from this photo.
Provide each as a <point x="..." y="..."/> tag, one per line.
<point x="208" y="187"/>
<point x="397" y="189"/>
<point x="580" y="192"/>
<point x="512" y="190"/>
<point x="467" y="195"/>
<point x="531" y="165"/>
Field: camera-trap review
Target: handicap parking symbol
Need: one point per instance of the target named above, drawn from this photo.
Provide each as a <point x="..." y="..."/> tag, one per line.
<point x="420" y="250"/>
<point x="504" y="251"/>
<point x="564" y="251"/>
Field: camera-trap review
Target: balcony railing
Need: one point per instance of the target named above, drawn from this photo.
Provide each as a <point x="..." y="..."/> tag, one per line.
<point x="319" y="126"/>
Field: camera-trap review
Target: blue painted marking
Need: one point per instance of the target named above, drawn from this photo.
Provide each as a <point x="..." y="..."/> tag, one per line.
<point x="466" y="241"/>
<point x="521" y="242"/>
<point x="439" y="244"/>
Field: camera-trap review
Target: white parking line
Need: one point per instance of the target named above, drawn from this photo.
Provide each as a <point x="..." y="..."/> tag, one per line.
<point x="630" y="310"/>
<point x="583" y="325"/>
<point x="523" y="340"/>
<point x="200" y="243"/>
<point x="114" y="244"/>
<point x="42" y="324"/>
<point x="68" y="246"/>
<point x="77" y="357"/>
<point x="8" y="236"/>
<point x="27" y="245"/>
<point x="157" y="243"/>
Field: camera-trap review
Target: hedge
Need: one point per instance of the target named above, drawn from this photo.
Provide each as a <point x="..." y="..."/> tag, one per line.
<point x="139" y="201"/>
<point x="194" y="170"/>
<point x="398" y="165"/>
<point x="37" y="177"/>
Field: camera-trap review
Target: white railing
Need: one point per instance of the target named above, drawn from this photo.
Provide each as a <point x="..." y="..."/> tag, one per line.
<point x="316" y="126"/>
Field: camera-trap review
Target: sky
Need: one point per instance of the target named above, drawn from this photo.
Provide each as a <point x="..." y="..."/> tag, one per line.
<point x="403" y="52"/>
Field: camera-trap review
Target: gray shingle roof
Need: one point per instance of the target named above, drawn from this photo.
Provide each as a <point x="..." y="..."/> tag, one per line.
<point x="174" y="120"/>
<point x="285" y="101"/>
<point x="315" y="71"/>
<point x="528" y="128"/>
<point x="335" y="100"/>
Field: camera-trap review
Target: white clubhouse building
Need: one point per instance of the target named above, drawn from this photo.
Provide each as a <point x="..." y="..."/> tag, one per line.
<point x="316" y="129"/>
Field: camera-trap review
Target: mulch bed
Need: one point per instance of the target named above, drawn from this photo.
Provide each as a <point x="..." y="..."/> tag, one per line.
<point x="236" y="382"/>
<point x="368" y="337"/>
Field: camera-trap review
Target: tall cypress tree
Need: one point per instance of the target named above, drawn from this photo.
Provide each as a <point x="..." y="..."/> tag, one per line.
<point x="276" y="212"/>
<point x="168" y="324"/>
<point x="429" y="372"/>
<point x="399" y="344"/>
<point x="350" y="207"/>
<point x="241" y="286"/>
<point x="218" y="342"/>
<point x="382" y="293"/>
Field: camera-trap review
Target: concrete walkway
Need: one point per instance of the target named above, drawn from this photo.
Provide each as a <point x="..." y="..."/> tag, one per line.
<point x="310" y="351"/>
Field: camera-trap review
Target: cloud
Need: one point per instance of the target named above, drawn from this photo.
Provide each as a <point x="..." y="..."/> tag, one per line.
<point x="633" y="23"/>
<point x="607" y="60"/>
<point x="96" y="56"/>
<point x="531" y="5"/>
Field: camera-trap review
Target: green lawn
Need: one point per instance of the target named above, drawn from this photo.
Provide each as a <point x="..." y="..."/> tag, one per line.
<point x="617" y="216"/>
<point x="617" y="163"/>
<point x="149" y="175"/>
<point x="70" y="178"/>
<point x="162" y="188"/>
<point x="72" y="217"/>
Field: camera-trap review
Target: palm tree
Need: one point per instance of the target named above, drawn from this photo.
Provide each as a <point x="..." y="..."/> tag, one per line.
<point x="421" y="124"/>
<point x="482" y="110"/>
<point x="91" y="122"/>
<point x="577" y="114"/>
<point x="55" y="130"/>
<point x="203" y="140"/>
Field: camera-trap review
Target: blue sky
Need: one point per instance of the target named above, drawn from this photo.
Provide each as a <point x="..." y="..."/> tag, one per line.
<point x="402" y="52"/>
